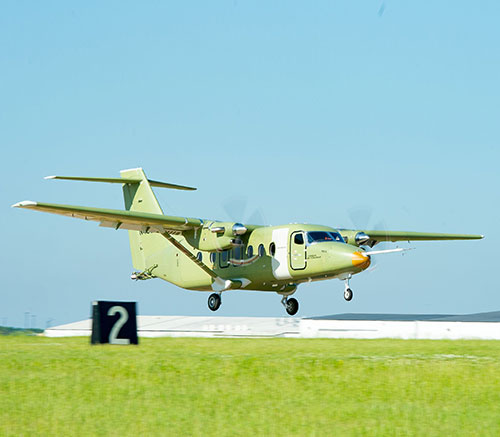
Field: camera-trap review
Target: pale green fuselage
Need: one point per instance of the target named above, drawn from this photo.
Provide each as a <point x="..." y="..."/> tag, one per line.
<point x="290" y="265"/>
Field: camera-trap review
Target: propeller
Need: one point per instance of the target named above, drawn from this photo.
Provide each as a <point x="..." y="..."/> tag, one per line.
<point x="235" y="208"/>
<point x="360" y="217"/>
<point x="378" y="252"/>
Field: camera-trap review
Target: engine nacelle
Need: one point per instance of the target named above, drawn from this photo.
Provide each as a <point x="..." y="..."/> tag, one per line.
<point x="215" y="236"/>
<point x="355" y="238"/>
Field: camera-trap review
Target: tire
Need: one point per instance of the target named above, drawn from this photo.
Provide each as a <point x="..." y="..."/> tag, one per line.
<point x="292" y="306"/>
<point x="348" y="295"/>
<point x="214" y="301"/>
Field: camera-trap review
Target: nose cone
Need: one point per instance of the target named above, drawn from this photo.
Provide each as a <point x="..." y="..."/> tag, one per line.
<point x="360" y="260"/>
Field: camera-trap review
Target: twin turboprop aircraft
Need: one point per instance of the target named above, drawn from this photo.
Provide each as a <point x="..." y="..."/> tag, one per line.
<point x="209" y="255"/>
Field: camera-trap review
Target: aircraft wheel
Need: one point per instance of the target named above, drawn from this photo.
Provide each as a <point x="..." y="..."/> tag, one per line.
<point x="292" y="306"/>
<point x="214" y="301"/>
<point x="348" y="294"/>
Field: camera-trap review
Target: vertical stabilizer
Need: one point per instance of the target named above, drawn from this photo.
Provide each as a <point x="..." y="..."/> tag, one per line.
<point x="140" y="197"/>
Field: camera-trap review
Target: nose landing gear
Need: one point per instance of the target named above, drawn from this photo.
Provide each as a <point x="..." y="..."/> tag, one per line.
<point x="348" y="294"/>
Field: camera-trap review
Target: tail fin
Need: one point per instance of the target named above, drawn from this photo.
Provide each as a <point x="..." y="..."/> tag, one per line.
<point x="145" y="248"/>
<point x="139" y="196"/>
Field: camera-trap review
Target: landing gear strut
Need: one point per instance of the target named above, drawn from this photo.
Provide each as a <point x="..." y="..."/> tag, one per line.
<point x="291" y="305"/>
<point x="347" y="292"/>
<point x="214" y="301"/>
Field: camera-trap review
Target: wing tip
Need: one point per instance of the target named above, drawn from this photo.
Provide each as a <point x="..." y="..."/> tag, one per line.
<point x="50" y="177"/>
<point x="476" y="237"/>
<point x="24" y="204"/>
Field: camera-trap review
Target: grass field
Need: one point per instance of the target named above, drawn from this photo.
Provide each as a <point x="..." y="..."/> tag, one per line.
<point x="229" y="387"/>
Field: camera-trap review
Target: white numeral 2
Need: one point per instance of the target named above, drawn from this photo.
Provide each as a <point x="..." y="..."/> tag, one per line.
<point x="115" y="330"/>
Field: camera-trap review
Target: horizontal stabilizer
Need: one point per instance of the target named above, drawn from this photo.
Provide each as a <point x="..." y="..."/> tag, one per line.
<point x="122" y="181"/>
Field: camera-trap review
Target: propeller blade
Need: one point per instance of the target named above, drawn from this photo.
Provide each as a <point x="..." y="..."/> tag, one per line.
<point x="257" y="218"/>
<point x="360" y="216"/>
<point x="378" y="252"/>
<point x="235" y="208"/>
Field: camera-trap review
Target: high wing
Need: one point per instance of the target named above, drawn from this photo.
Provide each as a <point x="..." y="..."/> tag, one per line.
<point x="117" y="219"/>
<point x="372" y="237"/>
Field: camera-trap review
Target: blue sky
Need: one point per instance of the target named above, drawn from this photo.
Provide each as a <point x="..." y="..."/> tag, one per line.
<point x="308" y="110"/>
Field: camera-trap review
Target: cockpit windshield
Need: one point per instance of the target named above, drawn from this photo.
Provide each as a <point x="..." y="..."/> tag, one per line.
<point x="321" y="236"/>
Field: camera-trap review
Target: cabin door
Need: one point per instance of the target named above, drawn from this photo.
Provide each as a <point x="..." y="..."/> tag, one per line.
<point x="297" y="251"/>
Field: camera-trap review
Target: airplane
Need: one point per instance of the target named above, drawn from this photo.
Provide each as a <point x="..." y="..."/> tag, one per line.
<point x="216" y="256"/>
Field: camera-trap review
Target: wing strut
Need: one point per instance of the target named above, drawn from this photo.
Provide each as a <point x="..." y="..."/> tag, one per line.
<point x="190" y="255"/>
<point x="219" y="283"/>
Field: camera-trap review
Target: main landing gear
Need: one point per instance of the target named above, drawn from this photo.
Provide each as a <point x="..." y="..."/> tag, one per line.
<point x="214" y="301"/>
<point x="291" y="305"/>
<point x="347" y="292"/>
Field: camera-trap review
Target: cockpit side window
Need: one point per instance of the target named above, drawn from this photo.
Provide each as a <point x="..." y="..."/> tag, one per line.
<point x="318" y="237"/>
<point x="337" y="237"/>
<point x="298" y="239"/>
<point x="321" y="236"/>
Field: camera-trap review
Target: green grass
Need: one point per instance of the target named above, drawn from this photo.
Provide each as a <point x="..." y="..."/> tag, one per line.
<point x="51" y="386"/>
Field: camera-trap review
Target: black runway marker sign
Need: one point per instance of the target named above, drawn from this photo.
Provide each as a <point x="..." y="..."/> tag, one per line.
<point x="114" y="322"/>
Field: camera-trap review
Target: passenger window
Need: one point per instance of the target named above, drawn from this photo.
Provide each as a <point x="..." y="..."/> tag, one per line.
<point x="212" y="257"/>
<point x="199" y="256"/>
<point x="262" y="251"/>
<point x="224" y="258"/>
<point x="249" y="251"/>
<point x="272" y="249"/>
<point x="299" y="239"/>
